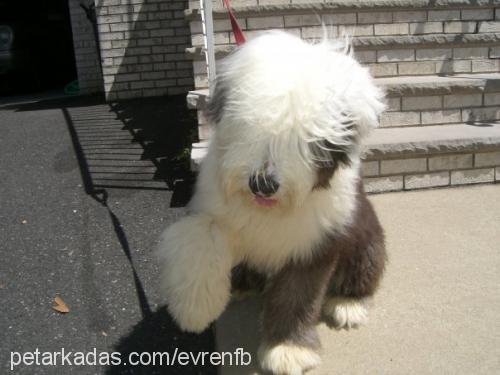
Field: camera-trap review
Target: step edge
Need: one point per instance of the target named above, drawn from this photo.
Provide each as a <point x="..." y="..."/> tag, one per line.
<point x="343" y="5"/>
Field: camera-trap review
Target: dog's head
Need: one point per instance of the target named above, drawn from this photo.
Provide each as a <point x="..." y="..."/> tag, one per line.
<point x="288" y="116"/>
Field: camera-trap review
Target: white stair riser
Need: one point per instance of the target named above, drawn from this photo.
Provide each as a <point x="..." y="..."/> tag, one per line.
<point x="431" y="170"/>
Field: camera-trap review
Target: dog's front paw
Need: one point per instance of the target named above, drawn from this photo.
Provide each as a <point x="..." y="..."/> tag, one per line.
<point x="195" y="274"/>
<point x="287" y="359"/>
<point x="345" y="313"/>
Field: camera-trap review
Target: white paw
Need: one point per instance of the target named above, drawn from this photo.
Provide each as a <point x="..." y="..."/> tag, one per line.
<point x="345" y="312"/>
<point x="195" y="272"/>
<point x="287" y="359"/>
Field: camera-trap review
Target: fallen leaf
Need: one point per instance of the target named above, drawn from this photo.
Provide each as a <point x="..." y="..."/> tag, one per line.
<point x="60" y="305"/>
<point x="104" y="333"/>
<point x="24" y="221"/>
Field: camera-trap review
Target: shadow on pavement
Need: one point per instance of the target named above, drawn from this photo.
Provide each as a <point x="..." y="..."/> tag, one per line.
<point x="158" y="333"/>
<point x="135" y="144"/>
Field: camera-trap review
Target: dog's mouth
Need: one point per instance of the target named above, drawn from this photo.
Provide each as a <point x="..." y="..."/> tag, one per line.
<point x="265" y="202"/>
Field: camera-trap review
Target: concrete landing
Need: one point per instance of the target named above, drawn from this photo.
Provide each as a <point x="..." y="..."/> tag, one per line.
<point x="437" y="310"/>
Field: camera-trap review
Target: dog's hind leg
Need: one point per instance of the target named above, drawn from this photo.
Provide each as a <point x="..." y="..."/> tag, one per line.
<point x="195" y="271"/>
<point x="359" y="269"/>
<point x="292" y="307"/>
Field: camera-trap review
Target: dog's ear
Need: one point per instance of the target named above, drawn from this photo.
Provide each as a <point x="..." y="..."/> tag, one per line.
<point x="328" y="156"/>
<point x="217" y="102"/>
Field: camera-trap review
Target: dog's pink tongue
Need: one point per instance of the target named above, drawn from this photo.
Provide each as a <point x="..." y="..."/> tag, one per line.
<point x="266" y="202"/>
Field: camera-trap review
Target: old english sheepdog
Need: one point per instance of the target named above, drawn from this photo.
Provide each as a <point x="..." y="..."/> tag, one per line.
<point x="279" y="203"/>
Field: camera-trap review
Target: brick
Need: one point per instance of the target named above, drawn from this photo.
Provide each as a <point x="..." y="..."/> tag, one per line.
<point x="487" y="159"/>
<point x="141" y="85"/>
<point x="472" y="176"/>
<point x="492" y="98"/>
<point x="460" y="66"/>
<point x="461" y="101"/>
<point x="426" y="180"/>
<point x="265" y="22"/>
<point x="120" y="9"/>
<point x="339" y="19"/>
<point x="426" y="28"/>
<point x="312" y="32"/>
<point x="375" y="17"/>
<point x="104" y="28"/>
<point x="127" y="77"/>
<point x="152" y="75"/>
<point x="481" y="114"/>
<point x="391" y="29"/>
<point x="196" y="27"/>
<point x="422" y="102"/>
<point x="109" y="19"/>
<point x="403" y="166"/>
<point x="123" y="26"/>
<point x="416" y="68"/>
<point x="117" y="52"/>
<point x="111" y="36"/>
<point x="359" y="30"/>
<point x="388" y="119"/>
<point x="494" y="52"/>
<point x="366" y="56"/>
<point x="139" y="68"/>
<point x="121" y="44"/>
<point x="393" y="104"/>
<point x="485" y="66"/>
<point x="410" y="16"/>
<point x="185" y="81"/>
<point x="383" y="70"/>
<point x="370" y="168"/>
<point x="441" y="117"/>
<point x="200" y="81"/>
<point x="470" y="53"/>
<point x="443" y="15"/>
<point x="489" y="27"/>
<point x="396" y="55"/>
<point x="459" y="27"/>
<point x="434" y="54"/>
<point x="449" y="162"/>
<point x="162" y="32"/>
<point x="302" y="20"/>
<point x="477" y="14"/>
<point x="225" y="25"/>
<point x="165" y="82"/>
<point x="205" y="132"/>
<point x="381" y="184"/>
<point x="351" y="30"/>
<point x="199" y="67"/>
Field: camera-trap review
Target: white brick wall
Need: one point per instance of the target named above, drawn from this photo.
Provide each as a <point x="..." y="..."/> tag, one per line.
<point x="142" y="46"/>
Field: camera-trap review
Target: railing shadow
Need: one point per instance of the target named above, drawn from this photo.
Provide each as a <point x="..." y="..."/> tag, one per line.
<point x="135" y="144"/>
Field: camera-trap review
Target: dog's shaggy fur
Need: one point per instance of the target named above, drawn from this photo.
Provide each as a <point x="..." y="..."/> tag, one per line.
<point x="279" y="203"/>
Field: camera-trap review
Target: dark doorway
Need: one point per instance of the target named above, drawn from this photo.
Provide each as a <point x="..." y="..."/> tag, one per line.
<point x="36" y="46"/>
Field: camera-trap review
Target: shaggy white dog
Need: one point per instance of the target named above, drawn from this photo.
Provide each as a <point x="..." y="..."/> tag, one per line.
<point x="279" y="199"/>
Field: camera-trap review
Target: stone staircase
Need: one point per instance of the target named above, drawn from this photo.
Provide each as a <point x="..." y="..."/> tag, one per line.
<point x="438" y="61"/>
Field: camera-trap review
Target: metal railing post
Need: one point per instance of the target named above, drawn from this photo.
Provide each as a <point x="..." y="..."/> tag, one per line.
<point x="208" y="28"/>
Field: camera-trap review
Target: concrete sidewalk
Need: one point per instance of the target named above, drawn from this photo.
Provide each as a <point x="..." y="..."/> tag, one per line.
<point x="438" y="309"/>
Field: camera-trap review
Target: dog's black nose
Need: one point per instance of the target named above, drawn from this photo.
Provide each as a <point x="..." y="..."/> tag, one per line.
<point x="263" y="184"/>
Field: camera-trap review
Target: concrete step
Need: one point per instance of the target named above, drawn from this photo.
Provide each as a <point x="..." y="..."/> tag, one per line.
<point x="419" y="100"/>
<point x="392" y="37"/>
<point x="423" y="157"/>
<point x="389" y="56"/>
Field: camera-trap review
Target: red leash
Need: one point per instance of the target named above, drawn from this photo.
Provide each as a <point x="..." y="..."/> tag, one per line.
<point x="238" y="34"/>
